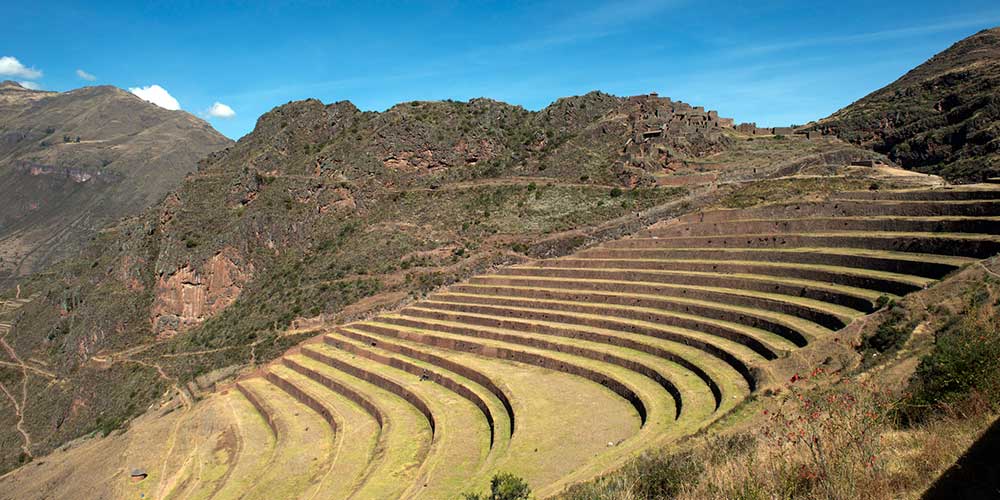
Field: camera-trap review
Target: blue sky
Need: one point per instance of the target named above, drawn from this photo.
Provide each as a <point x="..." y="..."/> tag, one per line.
<point x="773" y="62"/>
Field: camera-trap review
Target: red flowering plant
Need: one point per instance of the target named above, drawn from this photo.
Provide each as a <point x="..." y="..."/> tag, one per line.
<point x="824" y="437"/>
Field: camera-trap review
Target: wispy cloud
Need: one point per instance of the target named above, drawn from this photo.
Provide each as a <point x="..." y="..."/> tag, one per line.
<point x="86" y="76"/>
<point x="10" y="66"/>
<point x="616" y="13"/>
<point x="603" y="20"/>
<point x="873" y="36"/>
<point x="310" y="89"/>
<point x="30" y="85"/>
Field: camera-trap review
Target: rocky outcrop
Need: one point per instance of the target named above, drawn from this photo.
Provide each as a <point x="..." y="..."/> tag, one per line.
<point x="189" y="296"/>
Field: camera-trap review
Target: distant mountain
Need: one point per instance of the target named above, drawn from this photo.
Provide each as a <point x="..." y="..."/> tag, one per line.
<point x="73" y="162"/>
<point x="943" y="117"/>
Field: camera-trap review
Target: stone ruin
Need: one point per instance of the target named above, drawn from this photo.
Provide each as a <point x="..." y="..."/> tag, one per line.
<point x="661" y="127"/>
<point x="752" y="129"/>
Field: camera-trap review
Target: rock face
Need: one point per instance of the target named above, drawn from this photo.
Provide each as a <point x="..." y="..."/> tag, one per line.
<point x="943" y="117"/>
<point x="73" y="162"/>
<point x="188" y="297"/>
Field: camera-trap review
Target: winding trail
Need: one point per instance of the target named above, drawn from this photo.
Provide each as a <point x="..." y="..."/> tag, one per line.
<point x="19" y="407"/>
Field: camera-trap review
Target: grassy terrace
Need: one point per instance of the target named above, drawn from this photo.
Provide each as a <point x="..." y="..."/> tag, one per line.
<point x="356" y="439"/>
<point x="560" y="369"/>
<point x="908" y="263"/>
<point x="461" y="436"/>
<point x="549" y="406"/>
<point x="609" y="273"/>
<point x="304" y="446"/>
<point x="824" y="313"/>
<point x="405" y="435"/>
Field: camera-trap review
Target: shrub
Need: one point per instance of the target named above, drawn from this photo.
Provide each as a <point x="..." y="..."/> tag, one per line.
<point x="662" y="476"/>
<point x="962" y="368"/>
<point x="889" y="337"/>
<point x="653" y="475"/>
<point x="883" y="300"/>
<point x="503" y="486"/>
<point x="615" y="192"/>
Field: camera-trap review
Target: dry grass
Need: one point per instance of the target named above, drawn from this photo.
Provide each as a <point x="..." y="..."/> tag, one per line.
<point x="825" y="437"/>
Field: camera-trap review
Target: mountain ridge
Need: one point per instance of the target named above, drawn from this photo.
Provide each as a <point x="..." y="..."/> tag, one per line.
<point x="942" y="117"/>
<point x="73" y="162"/>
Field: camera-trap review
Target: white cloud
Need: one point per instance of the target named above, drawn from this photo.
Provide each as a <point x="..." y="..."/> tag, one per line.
<point x="86" y="76"/>
<point x="219" y="110"/>
<point x="31" y="85"/>
<point x="156" y="95"/>
<point x="10" y="66"/>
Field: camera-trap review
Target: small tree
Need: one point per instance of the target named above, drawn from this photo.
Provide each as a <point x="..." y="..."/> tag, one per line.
<point x="504" y="486"/>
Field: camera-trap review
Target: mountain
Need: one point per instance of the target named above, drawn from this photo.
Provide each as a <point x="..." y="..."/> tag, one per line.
<point x="325" y="212"/>
<point x="942" y="117"/>
<point x="72" y="163"/>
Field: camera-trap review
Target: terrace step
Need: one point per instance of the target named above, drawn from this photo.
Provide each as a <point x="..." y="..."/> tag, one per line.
<point x="563" y="338"/>
<point x="630" y="382"/>
<point x="478" y="385"/>
<point x="405" y="437"/>
<point x="551" y="408"/>
<point x="850" y="208"/>
<point x="357" y="436"/>
<point x="851" y="287"/>
<point x="978" y="246"/>
<point x="640" y="378"/>
<point x="692" y="322"/>
<point x="456" y="384"/>
<point x="913" y="264"/>
<point x="858" y="299"/>
<point x="982" y="225"/>
<point x="364" y="372"/>
<point x="257" y="446"/>
<point x="827" y="314"/>
<point x="461" y="434"/>
<point x="972" y="192"/>
<point x="304" y="442"/>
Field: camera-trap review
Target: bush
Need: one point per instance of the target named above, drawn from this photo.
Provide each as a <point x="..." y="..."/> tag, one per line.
<point x="503" y="486"/>
<point x="662" y="476"/>
<point x="889" y="337"/>
<point x="653" y="475"/>
<point x="961" y="369"/>
<point x="615" y="192"/>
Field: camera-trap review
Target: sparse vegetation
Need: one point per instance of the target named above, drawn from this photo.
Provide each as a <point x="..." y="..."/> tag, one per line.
<point x="961" y="374"/>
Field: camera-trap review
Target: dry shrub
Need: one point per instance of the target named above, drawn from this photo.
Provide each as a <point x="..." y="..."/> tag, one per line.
<point x="818" y="441"/>
<point x="824" y="437"/>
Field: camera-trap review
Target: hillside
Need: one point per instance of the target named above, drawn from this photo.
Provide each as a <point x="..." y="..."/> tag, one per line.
<point x="325" y="213"/>
<point x="694" y="322"/>
<point x="72" y="163"/>
<point x="943" y="117"/>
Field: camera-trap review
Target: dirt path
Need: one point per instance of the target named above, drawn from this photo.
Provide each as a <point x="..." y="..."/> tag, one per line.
<point x="19" y="412"/>
<point x="19" y="407"/>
